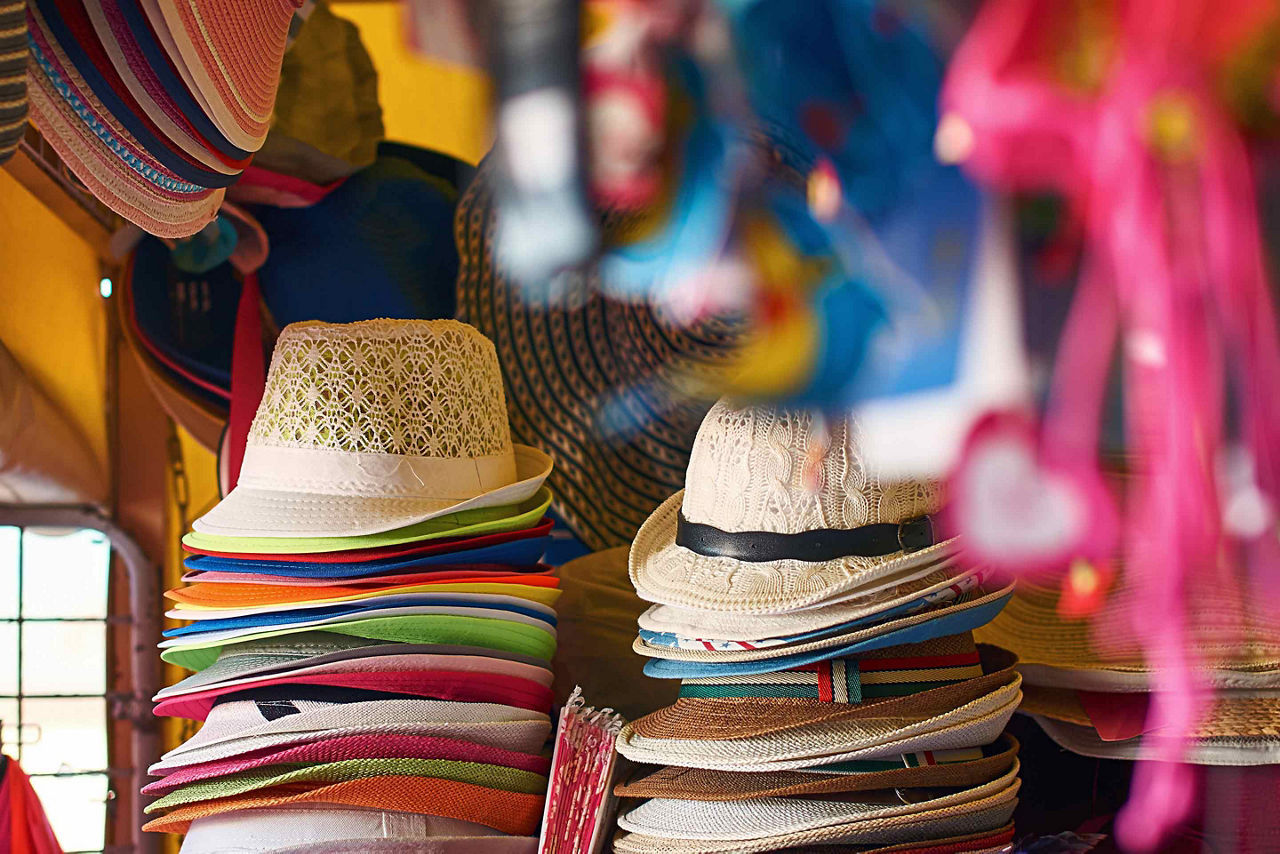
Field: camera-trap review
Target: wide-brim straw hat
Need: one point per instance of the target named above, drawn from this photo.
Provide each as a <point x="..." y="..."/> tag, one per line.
<point x="780" y="512"/>
<point x="917" y="770"/>
<point x="946" y="619"/>
<point x="470" y="678"/>
<point x="505" y="635"/>
<point x="748" y="820"/>
<point x="986" y="815"/>
<point x="353" y="747"/>
<point x="897" y="597"/>
<point x="375" y="426"/>
<point x="1240" y="728"/>
<point x="239" y="727"/>
<point x="773" y="734"/>
<point x="350" y="829"/>
<point x="293" y="653"/>
<point x="516" y="813"/>
<point x="1236" y="647"/>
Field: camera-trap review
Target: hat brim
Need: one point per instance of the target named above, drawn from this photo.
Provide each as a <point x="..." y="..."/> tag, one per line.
<point x="498" y="597"/>
<point x="699" y="784"/>
<point x="466" y="523"/>
<point x="669" y="574"/>
<point x="901" y="593"/>
<point x="257" y="512"/>
<point x="731" y="718"/>
<point x="227" y="735"/>
<point x="953" y="620"/>
<point x="745" y="821"/>
<point x="987" y="815"/>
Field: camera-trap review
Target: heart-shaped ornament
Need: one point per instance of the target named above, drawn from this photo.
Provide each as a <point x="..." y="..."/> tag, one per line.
<point x="1018" y="514"/>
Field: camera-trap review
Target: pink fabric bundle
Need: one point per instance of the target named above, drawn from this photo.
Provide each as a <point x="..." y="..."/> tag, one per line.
<point x="580" y="800"/>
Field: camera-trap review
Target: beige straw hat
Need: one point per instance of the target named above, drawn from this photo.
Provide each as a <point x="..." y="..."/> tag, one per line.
<point x="982" y="842"/>
<point x="780" y="511"/>
<point x="372" y="426"/>
<point x="698" y="784"/>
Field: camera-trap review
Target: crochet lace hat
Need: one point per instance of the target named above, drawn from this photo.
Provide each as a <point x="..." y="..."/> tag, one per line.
<point x="372" y="426"/>
<point x="780" y="512"/>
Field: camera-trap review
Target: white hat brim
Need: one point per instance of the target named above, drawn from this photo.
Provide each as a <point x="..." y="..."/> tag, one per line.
<point x="258" y="512"/>
<point x="669" y="574"/>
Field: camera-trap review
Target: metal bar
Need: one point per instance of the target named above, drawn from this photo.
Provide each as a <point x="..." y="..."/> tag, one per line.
<point x="106" y="621"/>
<point x="144" y="603"/>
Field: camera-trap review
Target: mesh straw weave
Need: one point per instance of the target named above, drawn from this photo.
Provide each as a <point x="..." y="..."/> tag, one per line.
<point x="508" y="812"/>
<point x="703" y="785"/>
<point x="966" y="843"/>
<point x="1230" y="716"/>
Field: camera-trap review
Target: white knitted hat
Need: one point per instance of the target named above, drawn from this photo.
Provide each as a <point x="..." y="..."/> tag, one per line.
<point x="371" y="426"/>
<point x="780" y="512"/>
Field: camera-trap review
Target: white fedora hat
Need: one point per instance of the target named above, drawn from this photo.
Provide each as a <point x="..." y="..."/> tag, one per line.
<point x="371" y="426"/>
<point x="780" y="511"/>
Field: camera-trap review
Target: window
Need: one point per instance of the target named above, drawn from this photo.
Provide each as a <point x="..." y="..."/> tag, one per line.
<point x="53" y="673"/>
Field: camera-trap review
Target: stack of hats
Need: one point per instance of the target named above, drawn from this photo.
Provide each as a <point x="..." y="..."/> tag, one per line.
<point x="1092" y="698"/>
<point x="831" y="691"/>
<point x="156" y="107"/>
<point x="371" y="628"/>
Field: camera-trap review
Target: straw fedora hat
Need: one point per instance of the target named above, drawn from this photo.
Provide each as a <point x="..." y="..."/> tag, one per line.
<point x="987" y="814"/>
<point x="780" y="512"/>
<point x="924" y="769"/>
<point x="374" y="426"/>
<point x="942" y="583"/>
<point x="768" y="734"/>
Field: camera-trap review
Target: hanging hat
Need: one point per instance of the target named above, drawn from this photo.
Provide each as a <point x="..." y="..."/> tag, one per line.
<point x="370" y="427"/>
<point x="600" y="384"/>
<point x="347" y="830"/>
<point x="779" y="513"/>
<point x="240" y="726"/>
<point x="13" y="76"/>
<point x="933" y="768"/>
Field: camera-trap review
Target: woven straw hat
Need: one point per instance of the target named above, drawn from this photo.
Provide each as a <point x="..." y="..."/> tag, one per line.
<point x="759" y="734"/>
<point x="372" y="426"/>
<point x="745" y="820"/>
<point x="1061" y="652"/>
<point x="984" y="815"/>
<point x="238" y="727"/>
<point x="303" y="829"/>
<point x="916" y="770"/>
<point x="750" y="473"/>
<point x="353" y="747"/>
<point x="982" y="842"/>
<point x="980" y="603"/>
<point x="510" y="812"/>
<point x="900" y="595"/>
<point x="282" y="594"/>
<point x="527" y="605"/>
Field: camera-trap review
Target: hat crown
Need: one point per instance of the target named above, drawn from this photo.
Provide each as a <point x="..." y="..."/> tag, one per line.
<point x="429" y="388"/>
<point x="747" y="472"/>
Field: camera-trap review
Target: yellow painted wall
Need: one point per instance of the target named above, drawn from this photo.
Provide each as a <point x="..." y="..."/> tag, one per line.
<point x="424" y="102"/>
<point x="51" y="315"/>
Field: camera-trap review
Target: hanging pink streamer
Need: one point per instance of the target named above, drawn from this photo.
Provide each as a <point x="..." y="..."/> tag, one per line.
<point x="1148" y="155"/>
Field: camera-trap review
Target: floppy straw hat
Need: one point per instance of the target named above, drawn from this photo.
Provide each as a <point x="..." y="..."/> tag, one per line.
<point x="369" y="427"/>
<point x="923" y="769"/>
<point x="267" y="829"/>
<point x="780" y="512"/>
